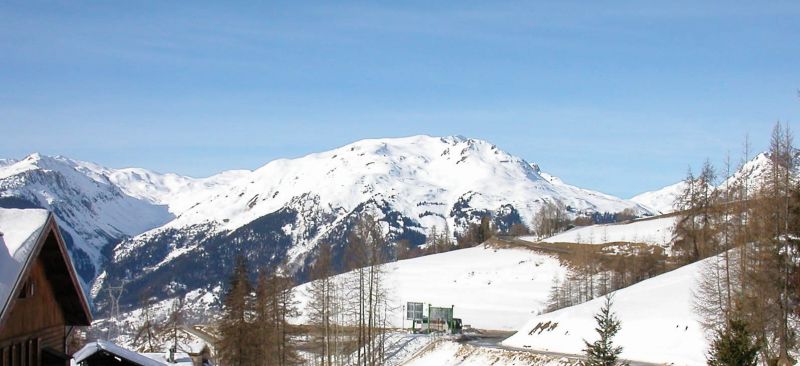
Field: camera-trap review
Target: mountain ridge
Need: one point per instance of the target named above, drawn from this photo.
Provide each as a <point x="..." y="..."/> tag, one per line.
<point x="284" y="209"/>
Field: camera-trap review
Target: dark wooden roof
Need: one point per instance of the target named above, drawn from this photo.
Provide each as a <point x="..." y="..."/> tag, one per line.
<point x="60" y="272"/>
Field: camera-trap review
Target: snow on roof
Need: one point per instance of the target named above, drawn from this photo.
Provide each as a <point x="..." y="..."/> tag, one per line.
<point x="21" y="229"/>
<point x="181" y="359"/>
<point x="102" y="345"/>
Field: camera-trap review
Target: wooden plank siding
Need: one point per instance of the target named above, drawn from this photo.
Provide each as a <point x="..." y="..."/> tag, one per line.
<point x="45" y="300"/>
<point x="25" y="353"/>
<point x="36" y="322"/>
<point x="37" y="316"/>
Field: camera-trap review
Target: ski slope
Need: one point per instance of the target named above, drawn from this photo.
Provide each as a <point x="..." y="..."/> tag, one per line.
<point x="490" y="288"/>
<point x="658" y="324"/>
<point x="649" y="231"/>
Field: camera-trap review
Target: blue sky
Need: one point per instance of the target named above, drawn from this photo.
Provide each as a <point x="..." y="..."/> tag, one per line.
<point x="615" y="96"/>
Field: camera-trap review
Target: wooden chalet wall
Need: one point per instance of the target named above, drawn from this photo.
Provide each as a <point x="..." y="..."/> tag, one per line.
<point x="33" y="328"/>
<point x="38" y="314"/>
<point x="36" y="323"/>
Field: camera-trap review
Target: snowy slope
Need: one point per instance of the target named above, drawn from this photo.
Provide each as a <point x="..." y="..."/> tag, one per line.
<point x="754" y="171"/>
<point x="657" y="231"/>
<point x="177" y="192"/>
<point x="658" y="324"/>
<point x="662" y="200"/>
<point x="490" y="288"/>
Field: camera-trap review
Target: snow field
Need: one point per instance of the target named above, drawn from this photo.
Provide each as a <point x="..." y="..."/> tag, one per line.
<point x="658" y="324"/>
<point x="489" y="288"/>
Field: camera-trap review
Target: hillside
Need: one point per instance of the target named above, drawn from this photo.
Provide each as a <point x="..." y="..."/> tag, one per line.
<point x="662" y="200"/>
<point x="658" y="324"/>
<point x="653" y="231"/>
<point x="490" y="288"/>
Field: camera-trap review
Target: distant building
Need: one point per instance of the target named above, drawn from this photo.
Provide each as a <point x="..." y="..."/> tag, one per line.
<point x="105" y="353"/>
<point x="40" y="297"/>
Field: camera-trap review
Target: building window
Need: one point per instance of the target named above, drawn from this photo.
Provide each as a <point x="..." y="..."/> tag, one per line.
<point x="27" y="289"/>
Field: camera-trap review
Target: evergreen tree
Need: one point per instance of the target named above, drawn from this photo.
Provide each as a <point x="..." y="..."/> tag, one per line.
<point x="602" y="352"/>
<point x="734" y="346"/>
<point x="236" y="346"/>
<point x="264" y="321"/>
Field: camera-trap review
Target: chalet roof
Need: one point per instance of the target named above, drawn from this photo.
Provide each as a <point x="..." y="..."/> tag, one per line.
<point x="28" y="233"/>
<point x="21" y="230"/>
<point x="106" y="346"/>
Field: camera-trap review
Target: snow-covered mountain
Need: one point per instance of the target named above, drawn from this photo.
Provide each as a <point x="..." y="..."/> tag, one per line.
<point x="663" y="200"/>
<point x="155" y="230"/>
<point x="92" y="211"/>
<point x="177" y="192"/>
<point x="97" y="207"/>
<point x="283" y="210"/>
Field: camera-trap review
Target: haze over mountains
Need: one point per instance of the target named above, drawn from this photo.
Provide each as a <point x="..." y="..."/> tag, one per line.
<point x="148" y="228"/>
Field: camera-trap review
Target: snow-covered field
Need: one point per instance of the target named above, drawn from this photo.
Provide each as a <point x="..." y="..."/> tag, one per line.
<point x="490" y="288"/>
<point x="658" y="324"/>
<point x="649" y="231"/>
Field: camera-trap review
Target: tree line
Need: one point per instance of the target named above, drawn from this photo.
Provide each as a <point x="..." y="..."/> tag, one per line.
<point x="347" y="314"/>
<point x="254" y="328"/>
<point x="748" y="226"/>
<point x="592" y="271"/>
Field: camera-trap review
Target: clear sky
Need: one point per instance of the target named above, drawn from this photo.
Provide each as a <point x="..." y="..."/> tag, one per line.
<point x="615" y="96"/>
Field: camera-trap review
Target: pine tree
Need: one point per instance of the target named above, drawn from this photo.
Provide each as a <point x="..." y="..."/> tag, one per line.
<point x="734" y="346"/>
<point x="486" y="232"/>
<point x="602" y="352"/>
<point x="235" y="346"/>
<point x="263" y="334"/>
